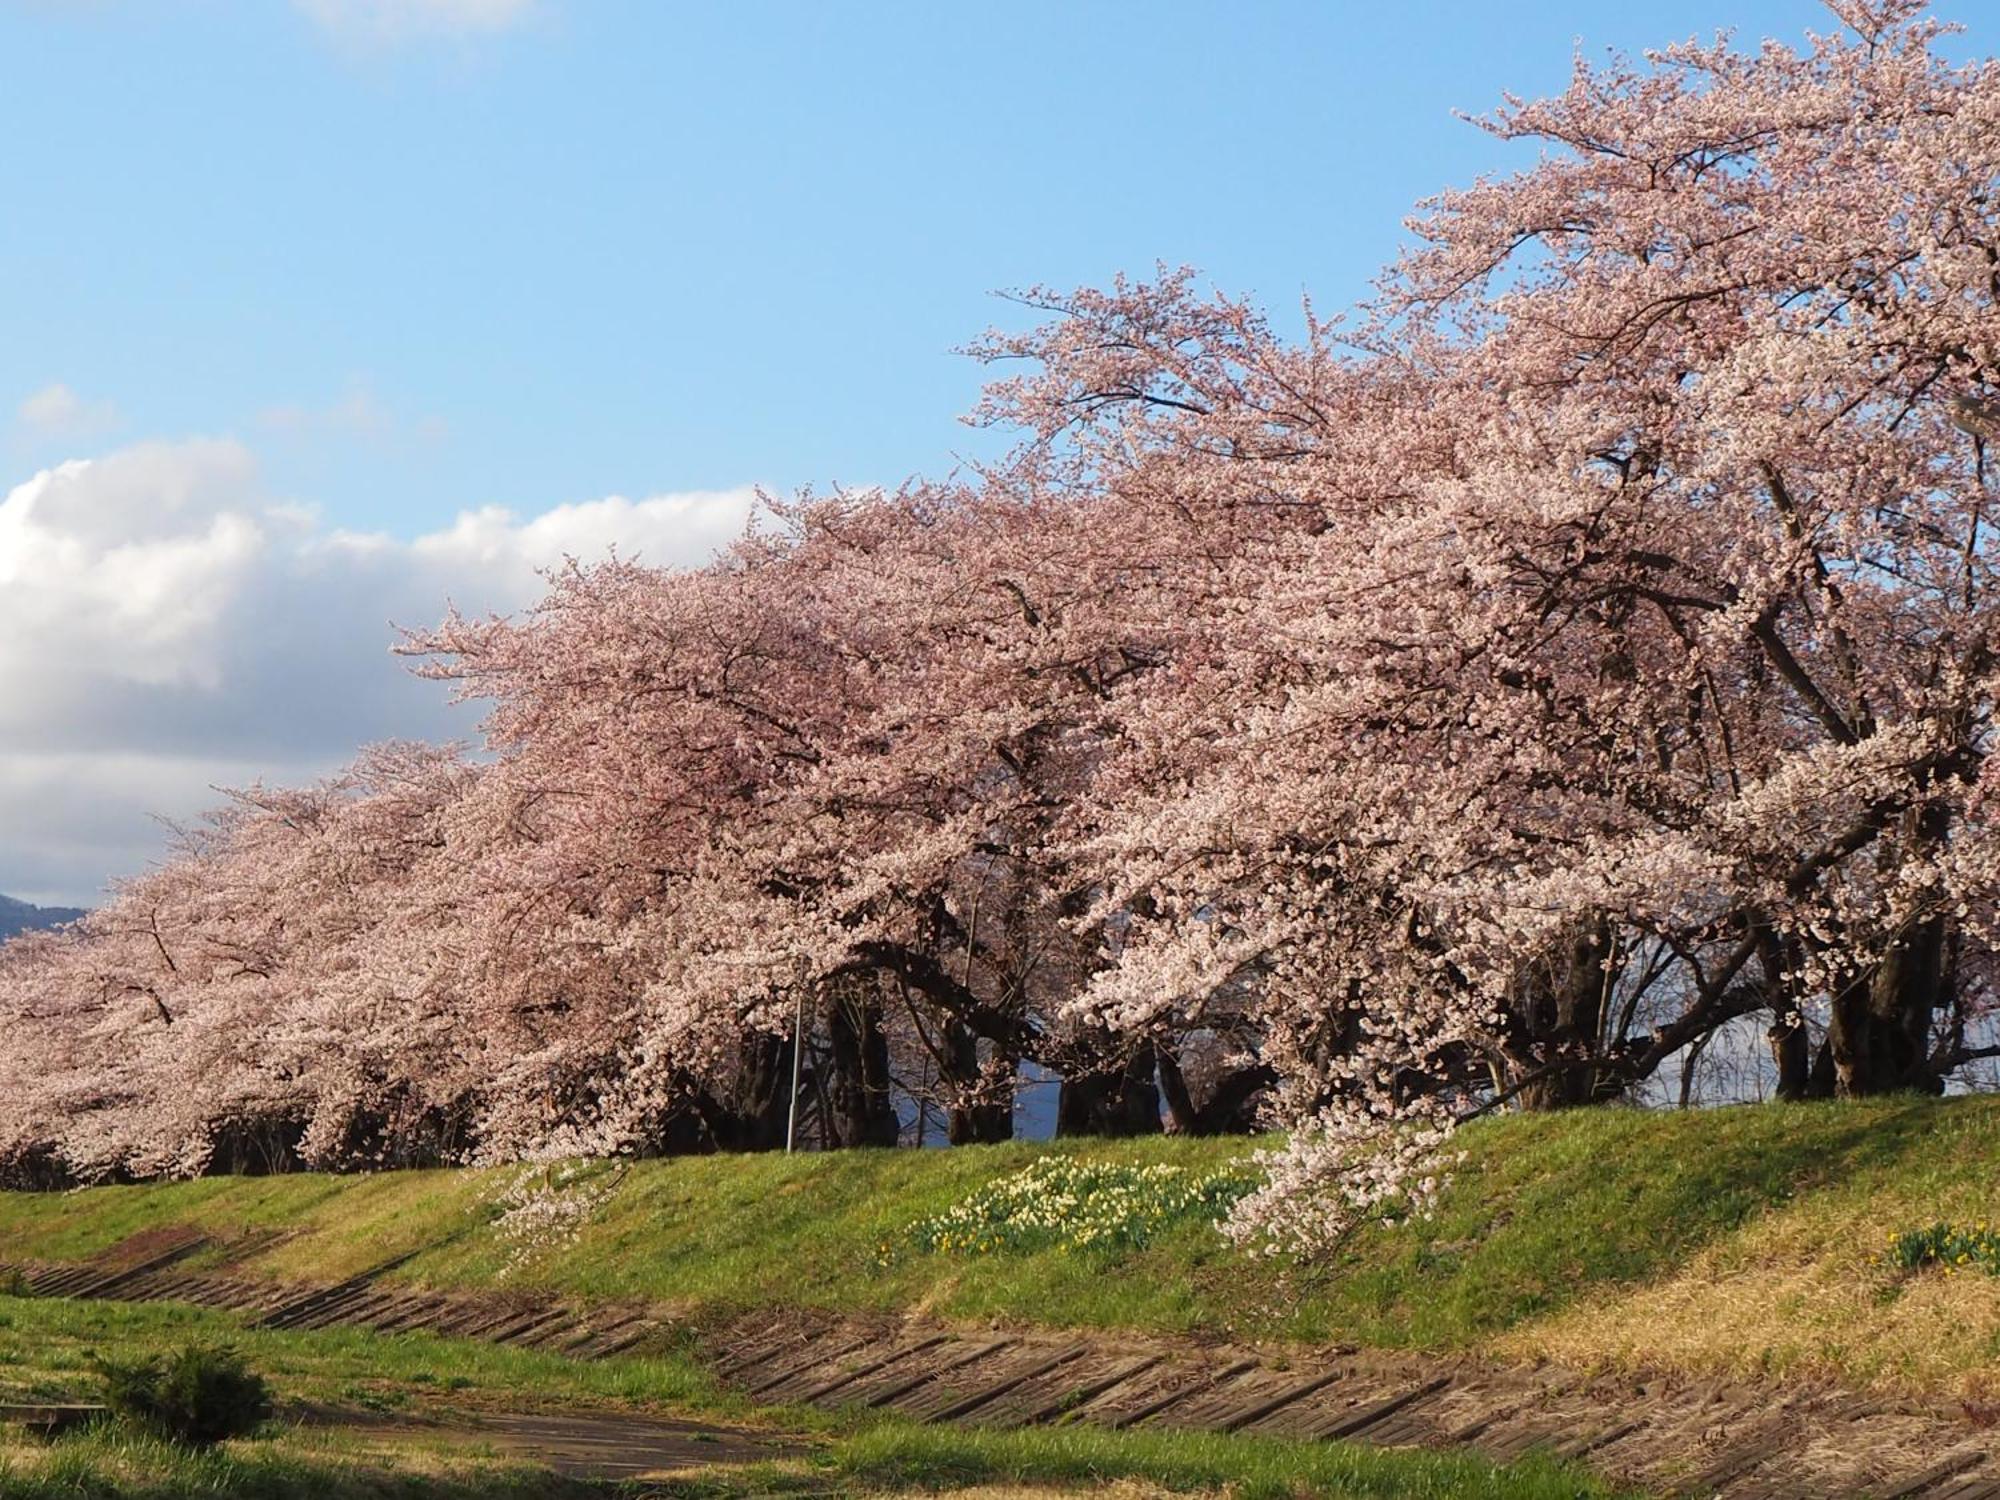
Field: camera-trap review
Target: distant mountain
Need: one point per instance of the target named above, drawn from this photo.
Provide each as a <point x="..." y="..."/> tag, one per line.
<point x="19" y="916"/>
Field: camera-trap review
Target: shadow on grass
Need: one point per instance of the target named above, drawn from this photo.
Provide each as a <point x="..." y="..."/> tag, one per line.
<point x="1545" y="1210"/>
<point x="1548" y="1208"/>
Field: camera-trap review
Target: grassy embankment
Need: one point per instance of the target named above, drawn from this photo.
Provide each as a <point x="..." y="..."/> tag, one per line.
<point x="412" y="1380"/>
<point x="1745" y="1241"/>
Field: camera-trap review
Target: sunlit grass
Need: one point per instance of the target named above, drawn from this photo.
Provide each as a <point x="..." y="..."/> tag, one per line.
<point x="111" y="1462"/>
<point x="45" y="1345"/>
<point x="1747" y="1238"/>
<point x="1246" y="1468"/>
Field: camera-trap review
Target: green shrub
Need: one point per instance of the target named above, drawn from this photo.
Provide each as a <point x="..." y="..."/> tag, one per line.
<point x="1950" y="1246"/>
<point x="196" y="1396"/>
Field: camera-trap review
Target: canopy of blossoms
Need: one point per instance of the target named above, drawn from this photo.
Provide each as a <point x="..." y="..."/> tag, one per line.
<point x="1584" y="652"/>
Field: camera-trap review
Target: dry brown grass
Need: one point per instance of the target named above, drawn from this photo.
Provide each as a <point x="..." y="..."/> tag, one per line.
<point x="1801" y="1293"/>
<point x="288" y="1461"/>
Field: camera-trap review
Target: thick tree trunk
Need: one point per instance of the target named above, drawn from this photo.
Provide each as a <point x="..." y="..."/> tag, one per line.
<point x="1791" y="1054"/>
<point x="861" y="1110"/>
<point x="973" y="1118"/>
<point x="1182" y="1116"/>
<point x="1801" y="1074"/>
<point x="1880" y="1034"/>
<point x="1231" y="1109"/>
<point x="1117" y="1101"/>
<point x="752" y="1118"/>
<point x="1561" y="1014"/>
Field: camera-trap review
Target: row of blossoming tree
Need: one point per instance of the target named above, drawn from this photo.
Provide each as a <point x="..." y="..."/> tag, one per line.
<point x="1484" y="702"/>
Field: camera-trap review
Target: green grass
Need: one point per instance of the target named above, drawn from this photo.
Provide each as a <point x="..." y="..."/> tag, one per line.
<point x="1553" y="1207"/>
<point x="46" y="1344"/>
<point x="890" y="1457"/>
<point x="113" y="1463"/>
<point x="1752" y="1242"/>
<point x="898" y="1456"/>
<point x="44" y="1356"/>
<point x="1549" y="1217"/>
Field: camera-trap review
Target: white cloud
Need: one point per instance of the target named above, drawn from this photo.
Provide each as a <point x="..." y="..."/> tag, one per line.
<point x="57" y="411"/>
<point x="357" y="413"/>
<point x="167" y="625"/>
<point x="695" y="520"/>
<point x="398" y="20"/>
<point x="360" y="411"/>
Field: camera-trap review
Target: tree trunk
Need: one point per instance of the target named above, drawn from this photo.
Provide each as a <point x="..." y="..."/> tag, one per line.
<point x="1562" y="1013"/>
<point x="255" y="1148"/>
<point x="753" y="1117"/>
<point x="681" y="1131"/>
<point x="862" y="1112"/>
<point x="1799" y="1072"/>
<point x="1791" y="1052"/>
<point x="1116" y="1101"/>
<point x="1880" y="1036"/>
<point x="35" y="1169"/>
<point x="1231" y="1109"/>
<point x="1182" y="1116"/>
<point x="973" y="1119"/>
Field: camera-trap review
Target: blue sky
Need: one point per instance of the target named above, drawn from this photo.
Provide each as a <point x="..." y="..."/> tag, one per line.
<point x="306" y="285"/>
<point x="627" y="245"/>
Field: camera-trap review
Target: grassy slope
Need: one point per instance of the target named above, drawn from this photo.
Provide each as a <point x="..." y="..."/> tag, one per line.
<point x="1737" y="1240"/>
<point x="46" y="1346"/>
<point x="44" y="1356"/>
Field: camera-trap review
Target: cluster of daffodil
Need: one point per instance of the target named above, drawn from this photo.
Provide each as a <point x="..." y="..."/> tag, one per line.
<point x="1061" y="1203"/>
<point x="1954" y="1247"/>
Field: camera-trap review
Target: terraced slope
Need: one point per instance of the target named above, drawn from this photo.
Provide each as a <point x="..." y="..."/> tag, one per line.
<point x="1738" y="1244"/>
<point x="1666" y="1436"/>
<point x="1721" y="1274"/>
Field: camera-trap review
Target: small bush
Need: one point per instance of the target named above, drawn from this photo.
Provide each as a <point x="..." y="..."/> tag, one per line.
<point x="1952" y="1247"/>
<point x="13" y="1283"/>
<point x="196" y="1396"/>
<point x="1063" y="1203"/>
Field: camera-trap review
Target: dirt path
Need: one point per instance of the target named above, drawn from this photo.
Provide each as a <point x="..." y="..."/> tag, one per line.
<point x="1670" y="1436"/>
<point x="600" y="1446"/>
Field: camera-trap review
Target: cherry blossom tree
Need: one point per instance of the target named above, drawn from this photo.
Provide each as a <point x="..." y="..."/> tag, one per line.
<point x="1611" y="652"/>
<point x="839" y="761"/>
<point x="268" y="996"/>
<point x="1484" y="701"/>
